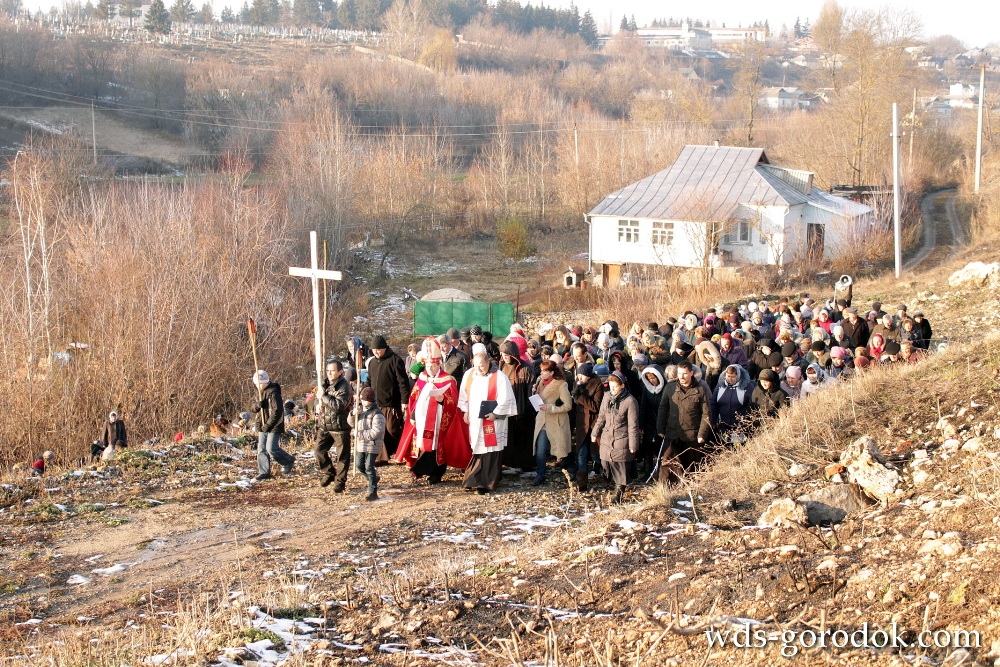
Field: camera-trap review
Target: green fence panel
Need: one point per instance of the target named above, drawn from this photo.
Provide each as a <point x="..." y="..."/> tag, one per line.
<point x="432" y="318"/>
<point x="501" y="317"/>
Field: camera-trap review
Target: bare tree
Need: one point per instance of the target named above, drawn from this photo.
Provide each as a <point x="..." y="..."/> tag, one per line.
<point x="747" y="82"/>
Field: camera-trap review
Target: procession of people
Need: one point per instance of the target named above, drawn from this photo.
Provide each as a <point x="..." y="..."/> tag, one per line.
<point x="647" y="403"/>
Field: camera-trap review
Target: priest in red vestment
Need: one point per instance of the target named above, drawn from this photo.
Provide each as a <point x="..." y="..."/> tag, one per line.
<point x="435" y="436"/>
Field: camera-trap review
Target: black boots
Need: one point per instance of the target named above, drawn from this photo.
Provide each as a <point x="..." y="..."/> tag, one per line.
<point x="581" y="480"/>
<point x="619" y="495"/>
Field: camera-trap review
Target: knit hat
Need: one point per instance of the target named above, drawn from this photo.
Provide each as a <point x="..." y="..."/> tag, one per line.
<point x="892" y="347"/>
<point x="476" y="330"/>
<point x="640" y="360"/>
<point x="774" y="359"/>
<point x="478" y="349"/>
<point x="586" y="369"/>
<point x="862" y="362"/>
<point x="818" y="346"/>
<point x="417" y="368"/>
<point x="793" y="372"/>
<point x="453" y="334"/>
<point x="602" y="370"/>
<point x="842" y="303"/>
<point x="368" y="395"/>
<point x="618" y="375"/>
<point x="728" y="337"/>
<point x="378" y="343"/>
<point x="261" y="377"/>
<point x="769" y="375"/>
<point x="789" y="349"/>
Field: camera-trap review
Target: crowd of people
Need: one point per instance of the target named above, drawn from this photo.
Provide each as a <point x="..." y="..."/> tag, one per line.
<point x="647" y="402"/>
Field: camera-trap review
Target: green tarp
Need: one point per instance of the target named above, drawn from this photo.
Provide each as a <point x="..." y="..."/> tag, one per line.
<point x="431" y="318"/>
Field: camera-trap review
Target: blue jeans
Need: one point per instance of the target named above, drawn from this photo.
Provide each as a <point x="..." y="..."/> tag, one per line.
<point x="579" y="462"/>
<point x="365" y="464"/>
<point x="268" y="445"/>
<point x="541" y="454"/>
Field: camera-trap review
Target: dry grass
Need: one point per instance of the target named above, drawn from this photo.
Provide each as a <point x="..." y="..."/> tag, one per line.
<point x="887" y="404"/>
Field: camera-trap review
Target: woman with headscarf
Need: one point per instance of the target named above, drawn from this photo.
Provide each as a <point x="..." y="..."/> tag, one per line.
<point x="562" y="341"/>
<point x="767" y="398"/>
<point x="552" y="432"/>
<point x="876" y="346"/>
<point x="587" y="396"/>
<point x="649" y="404"/>
<point x="518" y="453"/>
<point x="617" y="431"/>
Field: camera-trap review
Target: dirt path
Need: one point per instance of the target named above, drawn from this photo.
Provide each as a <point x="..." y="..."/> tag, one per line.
<point x="943" y="233"/>
<point x="112" y="134"/>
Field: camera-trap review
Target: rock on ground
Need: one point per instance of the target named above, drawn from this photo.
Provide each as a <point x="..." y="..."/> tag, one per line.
<point x="977" y="274"/>
<point x="783" y="512"/>
<point x="866" y="468"/>
<point x="833" y="503"/>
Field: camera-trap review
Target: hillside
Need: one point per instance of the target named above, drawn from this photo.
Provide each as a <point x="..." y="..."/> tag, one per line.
<point x="172" y="556"/>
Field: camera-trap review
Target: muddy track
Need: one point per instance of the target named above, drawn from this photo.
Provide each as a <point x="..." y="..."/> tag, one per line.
<point x="943" y="232"/>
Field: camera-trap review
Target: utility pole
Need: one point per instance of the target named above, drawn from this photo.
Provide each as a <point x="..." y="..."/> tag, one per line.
<point x="895" y="187"/>
<point x="93" y="131"/>
<point x="979" y="127"/>
<point x="913" y="130"/>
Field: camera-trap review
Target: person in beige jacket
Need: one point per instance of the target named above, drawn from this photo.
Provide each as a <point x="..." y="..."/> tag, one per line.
<point x="552" y="435"/>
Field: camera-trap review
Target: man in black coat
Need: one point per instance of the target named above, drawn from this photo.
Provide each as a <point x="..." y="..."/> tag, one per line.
<point x="684" y="422"/>
<point x="855" y="328"/>
<point x="270" y="420"/>
<point x="333" y="409"/>
<point x="454" y="361"/>
<point x="387" y="376"/>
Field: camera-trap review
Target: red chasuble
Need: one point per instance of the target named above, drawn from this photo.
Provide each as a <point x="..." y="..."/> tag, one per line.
<point x="453" y="448"/>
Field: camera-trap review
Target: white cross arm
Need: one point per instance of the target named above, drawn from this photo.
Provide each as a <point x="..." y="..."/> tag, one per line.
<point x="317" y="273"/>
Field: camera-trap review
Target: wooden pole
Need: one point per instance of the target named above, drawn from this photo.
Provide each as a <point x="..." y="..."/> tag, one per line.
<point x="252" y="329"/>
<point x="326" y="291"/>
<point x="979" y="125"/>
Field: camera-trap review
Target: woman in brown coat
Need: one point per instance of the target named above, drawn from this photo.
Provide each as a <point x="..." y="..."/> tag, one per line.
<point x="552" y="421"/>
<point x="617" y="430"/>
<point x="587" y="394"/>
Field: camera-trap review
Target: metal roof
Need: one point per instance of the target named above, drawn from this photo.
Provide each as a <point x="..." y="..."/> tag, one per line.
<point x="710" y="183"/>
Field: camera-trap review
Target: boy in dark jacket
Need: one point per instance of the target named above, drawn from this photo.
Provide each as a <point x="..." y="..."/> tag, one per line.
<point x="768" y="397"/>
<point x="270" y="424"/>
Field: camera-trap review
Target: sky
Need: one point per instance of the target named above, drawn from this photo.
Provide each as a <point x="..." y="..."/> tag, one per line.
<point x="971" y="21"/>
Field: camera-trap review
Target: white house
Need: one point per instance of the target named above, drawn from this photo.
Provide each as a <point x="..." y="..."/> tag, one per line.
<point x="717" y="206"/>
<point x="678" y="38"/>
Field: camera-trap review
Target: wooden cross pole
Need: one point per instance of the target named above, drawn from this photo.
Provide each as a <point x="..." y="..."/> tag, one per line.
<point x="316" y="274"/>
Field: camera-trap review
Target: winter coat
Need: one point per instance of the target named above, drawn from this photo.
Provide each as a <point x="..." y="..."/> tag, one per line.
<point x="336" y="402"/>
<point x="821" y="383"/>
<point x="733" y="402"/>
<point x="273" y="409"/>
<point x="389" y="380"/>
<point x="649" y="402"/>
<point x="555" y="418"/>
<point x="766" y="403"/>
<point x="736" y="356"/>
<point x="791" y="392"/>
<point x="888" y="332"/>
<point x="925" y="331"/>
<point x="858" y="332"/>
<point x="588" y="399"/>
<point x="455" y="364"/>
<point x="370" y="433"/>
<point x="617" y="427"/>
<point x="684" y="412"/>
<point x="114" y="434"/>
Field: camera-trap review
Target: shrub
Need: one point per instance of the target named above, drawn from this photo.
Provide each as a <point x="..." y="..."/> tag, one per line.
<point x="512" y="239"/>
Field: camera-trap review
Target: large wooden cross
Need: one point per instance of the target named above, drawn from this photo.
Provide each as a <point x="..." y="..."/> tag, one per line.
<point x="316" y="274"/>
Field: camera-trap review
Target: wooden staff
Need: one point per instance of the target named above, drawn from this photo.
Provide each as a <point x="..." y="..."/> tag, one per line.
<point x="357" y="408"/>
<point x="252" y="329"/>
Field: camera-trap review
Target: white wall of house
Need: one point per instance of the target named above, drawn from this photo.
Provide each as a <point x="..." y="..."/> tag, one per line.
<point x="772" y="235"/>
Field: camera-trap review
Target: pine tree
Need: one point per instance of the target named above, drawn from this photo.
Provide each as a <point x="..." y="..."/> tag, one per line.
<point x="157" y="18"/>
<point x="767" y="28"/>
<point x="632" y="24"/>
<point x="588" y="30"/>
<point x="806" y="29"/>
<point x="227" y="15"/>
<point x="182" y="11"/>
<point x="259" y="12"/>
<point x="207" y="14"/>
<point x="104" y="10"/>
<point x="797" y="28"/>
<point x="245" y="12"/>
<point x="624" y="23"/>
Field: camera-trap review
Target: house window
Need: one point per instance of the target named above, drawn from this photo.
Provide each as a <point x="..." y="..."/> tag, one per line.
<point x="663" y="233"/>
<point x="739" y="233"/>
<point x="628" y="231"/>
